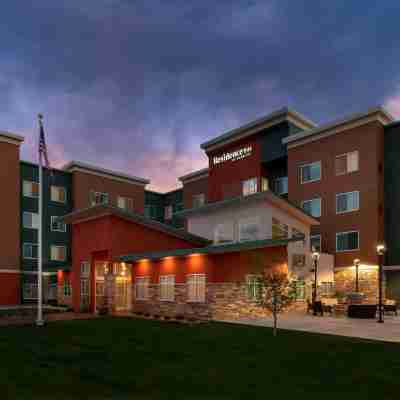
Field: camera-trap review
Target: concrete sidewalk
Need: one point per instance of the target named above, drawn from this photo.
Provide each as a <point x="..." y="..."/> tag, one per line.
<point x="389" y="331"/>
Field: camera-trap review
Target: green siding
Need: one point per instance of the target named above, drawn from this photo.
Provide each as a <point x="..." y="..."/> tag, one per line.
<point x="30" y="172"/>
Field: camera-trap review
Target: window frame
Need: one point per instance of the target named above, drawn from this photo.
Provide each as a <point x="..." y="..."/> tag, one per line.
<point x="128" y="203"/>
<point x="52" y="222"/>
<point x="282" y="227"/>
<point x="196" y="199"/>
<point x="58" y="246"/>
<point x="248" y="221"/>
<point x="347" y="155"/>
<point x="30" y="244"/>
<point x="67" y="288"/>
<point x="61" y="188"/>
<point x="93" y="196"/>
<point x="31" y="196"/>
<point x="346" y="250"/>
<point x="216" y="230"/>
<point x="171" y="297"/>
<point x="346" y="193"/>
<point x="248" y="181"/>
<point x="198" y="285"/>
<point x="320" y="242"/>
<point x="85" y="274"/>
<point x="37" y="220"/>
<point x="309" y="164"/>
<point x="310" y="200"/>
<point x="168" y="212"/>
<point x="282" y="178"/>
<point x="144" y="286"/>
<point x="252" y="286"/>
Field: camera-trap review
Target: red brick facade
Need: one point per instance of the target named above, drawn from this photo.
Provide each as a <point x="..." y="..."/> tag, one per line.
<point x="192" y="188"/>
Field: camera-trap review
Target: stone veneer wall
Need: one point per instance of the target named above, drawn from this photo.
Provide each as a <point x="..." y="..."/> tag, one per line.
<point x="367" y="282"/>
<point x="223" y="301"/>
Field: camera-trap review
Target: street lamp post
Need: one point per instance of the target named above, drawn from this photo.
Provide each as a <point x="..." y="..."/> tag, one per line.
<point x="380" y="249"/>
<point x="356" y="264"/>
<point x="315" y="257"/>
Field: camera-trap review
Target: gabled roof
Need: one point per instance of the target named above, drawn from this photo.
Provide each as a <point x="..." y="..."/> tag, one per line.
<point x="105" y="210"/>
<point x="276" y="117"/>
<point x="377" y="114"/>
<point x="267" y="195"/>
<point x="212" y="249"/>
<point x="94" y="170"/>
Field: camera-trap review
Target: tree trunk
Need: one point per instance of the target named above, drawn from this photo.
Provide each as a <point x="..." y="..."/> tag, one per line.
<point x="275" y="316"/>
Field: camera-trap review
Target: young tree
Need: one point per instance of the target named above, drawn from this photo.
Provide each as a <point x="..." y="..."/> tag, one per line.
<point x="277" y="293"/>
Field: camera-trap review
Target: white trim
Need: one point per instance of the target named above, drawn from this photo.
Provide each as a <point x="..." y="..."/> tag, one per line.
<point x="347" y="154"/>
<point x="78" y="166"/>
<point x="30" y="213"/>
<point x="194" y="176"/>
<point x="31" y="244"/>
<point x="347" y="211"/>
<point x="10" y="271"/>
<point x="341" y="233"/>
<point x="12" y="138"/>
<point x="196" y="284"/>
<point x="57" y="230"/>
<point x="306" y="165"/>
<point x="167" y="284"/>
<point x="56" y="187"/>
<point x="58" y="246"/>
<point x="35" y="273"/>
<point x="30" y="182"/>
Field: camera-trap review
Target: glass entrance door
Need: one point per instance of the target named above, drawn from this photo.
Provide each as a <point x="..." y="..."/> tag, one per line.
<point x="121" y="293"/>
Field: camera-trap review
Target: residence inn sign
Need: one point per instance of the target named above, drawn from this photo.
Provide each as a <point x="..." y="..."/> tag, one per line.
<point x="233" y="155"/>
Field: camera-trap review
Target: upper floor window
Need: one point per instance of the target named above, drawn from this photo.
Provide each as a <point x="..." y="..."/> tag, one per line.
<point x="168" y="212"/>
<point x="249" y="186"/>
<point x="167" y="287"/>
<point x="30" y="220"/>
<point x="58" y="194"/>
<point x="223" y="233"/>
<point x="196" y="288"/>
<point x="312" y="207"/>
<point x="58" y="253"/>
<point x="30" y="189"/>
<point x="57" y="225"/>
<point x="346" y="241"/>
<point x="249" y="229"/>
<point x="346" y="202"/>
<point x="315" y="243"/>
<point x="281" y="185"/>
<point x="67" y="288"/>
<point x="142" y="288"/>
<point x="198" y="200"/>
<point x="346" y="163"/>
<point x="125" y="203"/>
<point x="85" y="269"/>
<point x="310" y="172"/>
<point x="30" y="251"/>
<point x="97" y="198"/>
<point x="279" y="230"/>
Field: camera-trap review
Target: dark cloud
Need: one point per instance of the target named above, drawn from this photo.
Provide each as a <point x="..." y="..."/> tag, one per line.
<point x="138" y="85"/>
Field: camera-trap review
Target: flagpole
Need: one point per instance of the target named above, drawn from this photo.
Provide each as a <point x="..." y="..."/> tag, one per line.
<point x="40" y="321"/>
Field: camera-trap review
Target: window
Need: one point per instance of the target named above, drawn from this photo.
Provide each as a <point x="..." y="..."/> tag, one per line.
<point x="58" y="253"/>
<point x="298" y="260"/>
<point x="168" y="212"/>
<point x="196" y="287"/>
<point x="30" y="189"/>
<point x="299" y="288"/>
<point x="58" y="194"/>
<point x="67" y="288"/>
<point x="85" y="269"/>
<point x="223" y="233"/>
<point x="249" y="186"/>
<point x="346" y="163"/>
<point x="30" y="220"/>
<point x="97" y="198"/>
<point x="198" y="200"/>
<point x="297" y="233"/>
<point x="281" y="185"/>
<point x="30" y="251"/>
<point x="167" y="287"/>
<point x="249" y="229"/>
<point x="326" y="289"/>
<point x="142" y="288"/>
<point x="29" y="291"/>
<point x="347" y="241"/>
<point x="310" y="172"/>
<point x="58" y="225"/>
<point x="315" y="243"/>
<point x="312" y="207"/>
<point x="264" y="184"/>
<point x="279" y="230"/>
<point x="346" y="202"/>
<point x="125" y="203"/>
<point x="253" y="286"/>
<point x="85" y="287"/>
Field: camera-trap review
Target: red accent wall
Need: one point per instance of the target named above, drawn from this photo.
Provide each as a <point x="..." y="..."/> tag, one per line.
<point x="10" y="284"/>
<point x="225" y="179"/>
<point x="191" y="188"/>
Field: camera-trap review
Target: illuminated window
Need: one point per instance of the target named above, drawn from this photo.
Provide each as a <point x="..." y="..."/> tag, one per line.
<point x="57" y="225"/>
<point x="142" y="288"/>
<point x="253" y="286"/>
<point x="167" y="287"/>
<point x="249" y="186"/>
<point x="85" y="269"/>
<point x="125" y="203"/>
<point x="196" y="287"/>
<point x="97" y="198"/>
<point x="58" y="253"/>
<point x="30" y="189"/>
<point x="58" y="194"/>
<point x="346" y="163"/>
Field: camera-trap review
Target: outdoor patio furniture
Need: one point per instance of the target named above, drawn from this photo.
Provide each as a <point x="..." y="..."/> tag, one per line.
<point x="363" y="311"/>
<point x="328" y="305"/>
<point x="390" y="306"/>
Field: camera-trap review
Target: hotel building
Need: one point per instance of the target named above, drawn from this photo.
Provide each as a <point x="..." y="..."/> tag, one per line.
<point x="268" y="183"/>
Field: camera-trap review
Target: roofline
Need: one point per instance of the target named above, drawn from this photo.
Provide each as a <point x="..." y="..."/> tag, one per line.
<point x="393" y="124"/>
<point x="73" y="166"/>
<point x="37" y="165"/>
<point x="354" y="120"/>
<point x="267" y="195"/>
<point x="135" y="217"/>
<point x="193" y="176"/>
<point x="211" y="249"/>
<point x="12" y="138"/>
<point x="281" y="115"/>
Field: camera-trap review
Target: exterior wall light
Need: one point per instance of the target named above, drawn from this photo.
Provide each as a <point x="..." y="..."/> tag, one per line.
<point x="380" y="250"/>
<point x="356" y="263"/>
<point x="315" y="257"/>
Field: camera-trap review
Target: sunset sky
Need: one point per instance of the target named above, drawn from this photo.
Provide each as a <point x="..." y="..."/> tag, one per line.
<point x="136" y="86"/>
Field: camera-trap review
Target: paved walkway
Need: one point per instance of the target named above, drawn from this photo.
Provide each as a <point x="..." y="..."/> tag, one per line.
<point x="30" y="319"/>
<point x="361" y="328"/>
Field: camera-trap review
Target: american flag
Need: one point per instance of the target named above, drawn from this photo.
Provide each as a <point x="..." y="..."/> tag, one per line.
<point x="42" y="144"/>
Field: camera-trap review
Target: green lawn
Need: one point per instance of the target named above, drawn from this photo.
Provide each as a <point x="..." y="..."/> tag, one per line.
<point x="139" y="359"/>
